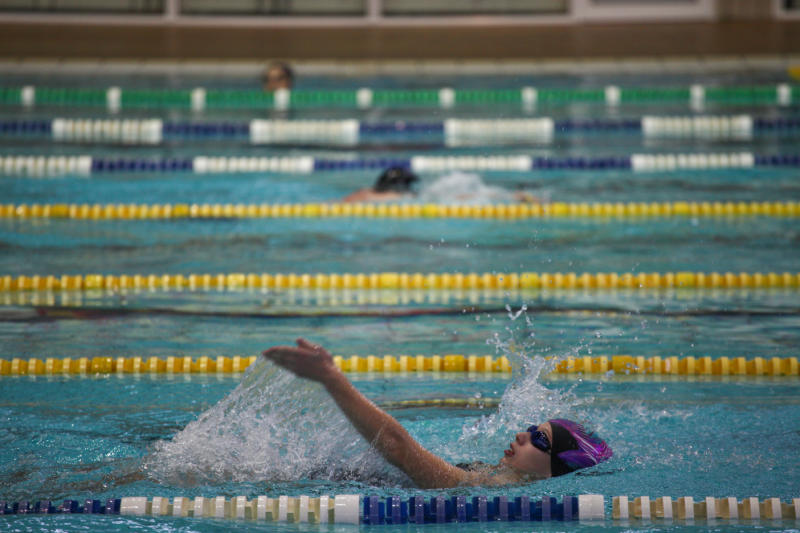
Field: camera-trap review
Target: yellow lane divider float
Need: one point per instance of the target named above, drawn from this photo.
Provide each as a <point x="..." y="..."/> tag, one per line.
<point x="407" y="281"/>
<point x="358" y="210"/>
<point x="619" y="364"/>
<point x="687" y="508"/>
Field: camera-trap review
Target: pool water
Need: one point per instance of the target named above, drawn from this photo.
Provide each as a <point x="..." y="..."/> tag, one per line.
<point x="266" y="433"/>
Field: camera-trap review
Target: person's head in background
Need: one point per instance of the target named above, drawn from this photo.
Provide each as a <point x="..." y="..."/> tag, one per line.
<point x="398" y="180"/>
<point x="395" y="183"/>
<point x="278" y="75"/>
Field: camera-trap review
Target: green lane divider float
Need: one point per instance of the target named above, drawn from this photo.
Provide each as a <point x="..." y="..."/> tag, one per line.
<point x="200" y="98"/>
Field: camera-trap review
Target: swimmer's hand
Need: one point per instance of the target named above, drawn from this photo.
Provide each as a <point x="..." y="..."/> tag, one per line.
<point x="307" y="360"/>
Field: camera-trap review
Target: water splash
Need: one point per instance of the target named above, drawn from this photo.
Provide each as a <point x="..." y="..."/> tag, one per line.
<point x="276" y="427"/>
<point x="463" y="188"/>
<point x="273" y="427"/>
<point x="526" y="400"/>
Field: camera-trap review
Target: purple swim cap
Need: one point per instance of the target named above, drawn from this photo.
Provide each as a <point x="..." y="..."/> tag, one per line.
<point x="574" y="447"/>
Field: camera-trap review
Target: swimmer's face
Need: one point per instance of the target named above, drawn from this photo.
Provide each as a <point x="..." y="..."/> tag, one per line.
<point x="525" y="458"/>
<point x="276" y="78"/>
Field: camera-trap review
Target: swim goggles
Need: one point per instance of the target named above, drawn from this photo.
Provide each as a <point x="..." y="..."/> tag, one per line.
<point x="539" y="439"/>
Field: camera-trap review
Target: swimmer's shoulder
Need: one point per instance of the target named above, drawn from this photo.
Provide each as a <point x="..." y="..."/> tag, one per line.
<point x="369" y="195"/>
<point x="361" y="195"/>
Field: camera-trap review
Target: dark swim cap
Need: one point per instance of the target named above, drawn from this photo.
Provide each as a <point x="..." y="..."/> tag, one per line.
<point x="573" y="448"/>
<point x="395" y="179"/>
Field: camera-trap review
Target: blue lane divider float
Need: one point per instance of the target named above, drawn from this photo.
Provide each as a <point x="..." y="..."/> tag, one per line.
<point x="90" y="506"/>
<point x="441" y="509"/>
<point x="25" y="127"/>
<point x="450" y="132"/>
<point x="85" y="165"/>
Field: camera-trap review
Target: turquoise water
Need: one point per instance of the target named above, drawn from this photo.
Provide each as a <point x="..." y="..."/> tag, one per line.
<point x="266" y="433"/>
<point x="350" y="245"/>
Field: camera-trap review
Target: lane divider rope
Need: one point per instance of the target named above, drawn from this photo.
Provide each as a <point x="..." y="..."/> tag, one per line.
<point x="86" y="165"/>
<point x="406" y="281"/>
<point x="200" y="98"/>
<point x="401" y="210"/>
<point x="449" y="403"/>
<point x="319" y="302"/>
<point x="349" y="132"/>
<point x="374" y="510"/>
<point x="618" y="364"/>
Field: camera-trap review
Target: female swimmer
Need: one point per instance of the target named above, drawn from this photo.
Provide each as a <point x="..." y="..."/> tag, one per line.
<point x="553" y="448"/>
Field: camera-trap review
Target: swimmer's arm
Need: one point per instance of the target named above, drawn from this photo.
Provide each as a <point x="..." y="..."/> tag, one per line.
<point x="389" y="437"/>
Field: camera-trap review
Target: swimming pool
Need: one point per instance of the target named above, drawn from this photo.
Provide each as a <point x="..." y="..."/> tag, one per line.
<point x="198" y="435"/>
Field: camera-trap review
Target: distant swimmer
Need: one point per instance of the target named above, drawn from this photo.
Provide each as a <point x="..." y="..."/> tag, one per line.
<point x="400" y="184"/>
<point x="395" y="183"/>
<point x="550" y="449"/>
<point x="279" y="75"/>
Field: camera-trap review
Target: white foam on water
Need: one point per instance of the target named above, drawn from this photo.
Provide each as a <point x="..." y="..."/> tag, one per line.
<point x="274" y="427"/>
<point x="463" y="188"/>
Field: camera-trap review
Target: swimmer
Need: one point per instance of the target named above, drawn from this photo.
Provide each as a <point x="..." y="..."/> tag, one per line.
<point x="396" y="183"/>
<point x="553" y="448"/>
<point x="278" y="75"/>
<point x="400" y="184"/>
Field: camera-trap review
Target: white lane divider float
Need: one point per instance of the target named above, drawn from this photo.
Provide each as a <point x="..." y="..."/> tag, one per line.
<point x="472" y="132"/>
<point x="447" y="98"/>
<point x="282" y="99"/>
<point x="707" y="127"/>
<point x="28" y="95"/>
<point x="666" y="162"/>
<point x="783" y="93"/>
<point x="335" y="132"/>
<point x="289" y="164"/>
<point x="198" y="99"/>
<point x="530" y="97"/>
<point x="364" y="98"/>
<point x="41" y="166"/>
<point x="114" y="99"/>
<point x="521" y="163"/>
<point x="613" y="95"/>
<point x="147" y="131"/>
